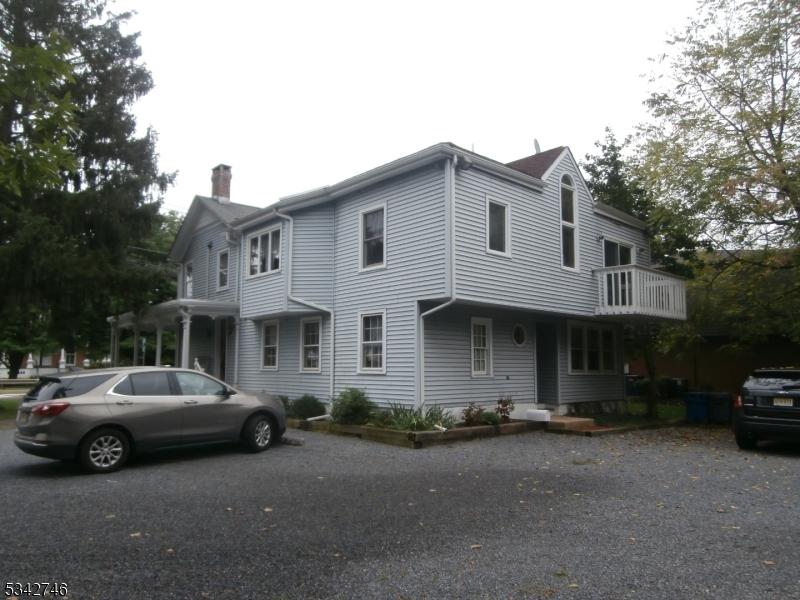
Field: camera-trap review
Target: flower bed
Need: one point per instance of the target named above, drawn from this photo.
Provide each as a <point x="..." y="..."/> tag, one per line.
<point x="416" y="439"/>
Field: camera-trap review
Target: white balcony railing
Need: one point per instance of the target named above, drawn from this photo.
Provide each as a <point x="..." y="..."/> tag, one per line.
<point x="635" y="290"/>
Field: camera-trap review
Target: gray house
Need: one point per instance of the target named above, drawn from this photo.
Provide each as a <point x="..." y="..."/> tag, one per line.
<point x="443" y="277"/>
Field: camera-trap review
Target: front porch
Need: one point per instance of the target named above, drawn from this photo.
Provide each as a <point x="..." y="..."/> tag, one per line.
<point x="203" y="333"/>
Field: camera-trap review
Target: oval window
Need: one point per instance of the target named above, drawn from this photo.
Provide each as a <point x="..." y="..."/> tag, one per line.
<point x="519" y="335"/>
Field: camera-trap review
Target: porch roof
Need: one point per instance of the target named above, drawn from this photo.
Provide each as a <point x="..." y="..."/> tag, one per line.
<point x="166" y="312"/>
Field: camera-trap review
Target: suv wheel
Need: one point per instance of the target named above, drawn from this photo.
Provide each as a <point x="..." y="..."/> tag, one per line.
<point x="258" y="433"/>
<point x="104" y="450"/>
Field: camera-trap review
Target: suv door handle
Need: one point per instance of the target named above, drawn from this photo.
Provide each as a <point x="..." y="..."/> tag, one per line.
<point x="124" y="402"/>
<point x="190" y="401"/>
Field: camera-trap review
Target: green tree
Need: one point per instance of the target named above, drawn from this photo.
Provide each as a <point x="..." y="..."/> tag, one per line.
<point x="725" y="143"/>
<point x="89" y="188"/>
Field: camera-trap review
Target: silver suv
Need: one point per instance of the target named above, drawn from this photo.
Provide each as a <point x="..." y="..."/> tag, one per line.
<point x="101" y="416"/>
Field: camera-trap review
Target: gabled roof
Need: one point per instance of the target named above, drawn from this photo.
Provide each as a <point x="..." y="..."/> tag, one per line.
<point x="537" y="164"/>
<point x="224" y="213"/>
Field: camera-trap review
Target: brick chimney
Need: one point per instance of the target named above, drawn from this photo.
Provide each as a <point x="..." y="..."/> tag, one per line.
<point x="221" y="183"/>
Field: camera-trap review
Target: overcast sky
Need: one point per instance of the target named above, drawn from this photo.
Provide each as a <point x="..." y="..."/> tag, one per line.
<point x="296" y="95"/>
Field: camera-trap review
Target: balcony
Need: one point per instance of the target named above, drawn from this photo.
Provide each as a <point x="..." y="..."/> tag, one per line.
<point x="640" y="291"/>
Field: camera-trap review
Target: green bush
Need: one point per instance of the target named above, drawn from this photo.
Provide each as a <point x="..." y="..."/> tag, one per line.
<point x="472" y="415"/>
<point x="305" y="407"/>
<point x="489" y="418"/>
<point x="352" y="407"/>
<point x="415" y="419"/>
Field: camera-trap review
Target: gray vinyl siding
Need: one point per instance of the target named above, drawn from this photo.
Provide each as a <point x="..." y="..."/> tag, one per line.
<point x="265" y="293"/>
<point x="532" y="277"/>
<point x="312" y="256"/>
<point x="618" y="232"/>
<point x="448" y="360"/>
<point x="415" y="268"/>
<point x="589" y="387"/>
<point x="287" y="380"/>
<point x="206" y="244"/>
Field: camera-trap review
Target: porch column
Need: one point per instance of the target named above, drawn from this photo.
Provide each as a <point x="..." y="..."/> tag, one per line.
<point x="158" y="345"/>
<point x="135" y="345"/>
<point x="187" y="325"/>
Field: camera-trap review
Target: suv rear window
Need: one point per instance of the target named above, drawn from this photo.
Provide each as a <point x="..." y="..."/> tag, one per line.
<point x="65" y="387"/>
<point x="782" y="374"/>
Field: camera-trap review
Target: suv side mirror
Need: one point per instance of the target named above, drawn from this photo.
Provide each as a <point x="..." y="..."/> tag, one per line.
<point x="225" y="392"/>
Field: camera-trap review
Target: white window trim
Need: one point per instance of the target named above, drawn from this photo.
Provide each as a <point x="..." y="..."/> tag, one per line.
<point x="633" y="247"/>
<point x="573" y="225"/>
<point x="489" y="202"/>
<point x="258" y="234"/>
<point x="264" y="325"/>
<point x="360" y="360"/>
<point x="303" y="322"/>
<point x="228" y="274"/>
<point x="186" y="266"/>
<point x="584" y="327"/>
<point x="489" y="347"/>
<point x="361" y="213"/>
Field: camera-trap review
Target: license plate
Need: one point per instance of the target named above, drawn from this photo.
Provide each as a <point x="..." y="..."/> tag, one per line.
<point x="787" y="402"/>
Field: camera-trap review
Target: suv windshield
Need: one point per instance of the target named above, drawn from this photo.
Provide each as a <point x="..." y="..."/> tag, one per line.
<point x="54" y="388"/>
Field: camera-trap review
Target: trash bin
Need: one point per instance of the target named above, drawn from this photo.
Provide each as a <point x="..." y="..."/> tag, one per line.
<point x="719" y="408"/>
<point x="696" y="407"/>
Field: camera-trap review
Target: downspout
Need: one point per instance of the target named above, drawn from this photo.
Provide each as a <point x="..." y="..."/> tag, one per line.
<point x="450" y="223"/>
<point x="308" y="303"/>
<point x="238" y="324"/>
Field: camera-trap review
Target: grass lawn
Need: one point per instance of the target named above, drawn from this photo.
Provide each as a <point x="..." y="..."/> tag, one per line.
<point x="8" y="407"/>
<point x="637" y="410"/>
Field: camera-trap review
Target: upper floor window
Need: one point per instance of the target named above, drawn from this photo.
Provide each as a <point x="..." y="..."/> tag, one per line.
<point x="222" y="270"/>
<point x="373" y="339"/>
<point x="188" y="280"/>
<point x="616" y="254"/>
<point x="373" y="228"/>
<point x="481" y="341"/>
<point x="591" y="349"/>
<point x="498" y="227"/>
<point x="568" y="223"/>
<point x="265" y="251"/>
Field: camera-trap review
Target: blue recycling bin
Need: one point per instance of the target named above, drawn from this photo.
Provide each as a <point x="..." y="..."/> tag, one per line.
<point x="697" y="407"/>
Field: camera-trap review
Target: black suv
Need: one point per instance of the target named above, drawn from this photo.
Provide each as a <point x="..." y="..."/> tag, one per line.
<point x="768" y="407"/>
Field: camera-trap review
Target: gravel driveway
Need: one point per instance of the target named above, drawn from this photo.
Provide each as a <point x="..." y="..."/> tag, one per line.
<point x="677" y="513"/>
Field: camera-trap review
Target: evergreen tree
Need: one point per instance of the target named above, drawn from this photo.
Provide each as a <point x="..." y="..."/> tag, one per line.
<point x="88" y="188"/>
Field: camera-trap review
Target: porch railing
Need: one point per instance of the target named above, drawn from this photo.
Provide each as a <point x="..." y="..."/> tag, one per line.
<point x="636" y="290"/>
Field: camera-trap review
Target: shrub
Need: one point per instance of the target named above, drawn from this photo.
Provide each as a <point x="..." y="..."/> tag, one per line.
<point x="352" y="407"/>
<point x="415" y="419"/>
<point x="305" y="407"/>
<point x="505" y="404"/>
<point x="489" y="418"/>
<point x="472" y="414"/>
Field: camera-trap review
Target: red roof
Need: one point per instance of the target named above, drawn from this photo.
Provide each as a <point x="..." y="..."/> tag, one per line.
<point x="537" y="164"/>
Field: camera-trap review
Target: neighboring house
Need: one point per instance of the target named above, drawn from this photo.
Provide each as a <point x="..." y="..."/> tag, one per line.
<point x="443" y="277"/>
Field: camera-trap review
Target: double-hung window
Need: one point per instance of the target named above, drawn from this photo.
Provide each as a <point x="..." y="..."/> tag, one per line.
<point x="310" y="346"/>
<point x="222" y="270"/>
<point x="265" y="252"/>
<point x="372" y="248"/>
<point x="269" y="345"/>
<point x="592" y="349"/>
<point x="188" y="280"/>
<point x="481" y="344"/>
<point x="498" y="227"/>
<point x="568" y="223"/>
<point x="372" y="336"/>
